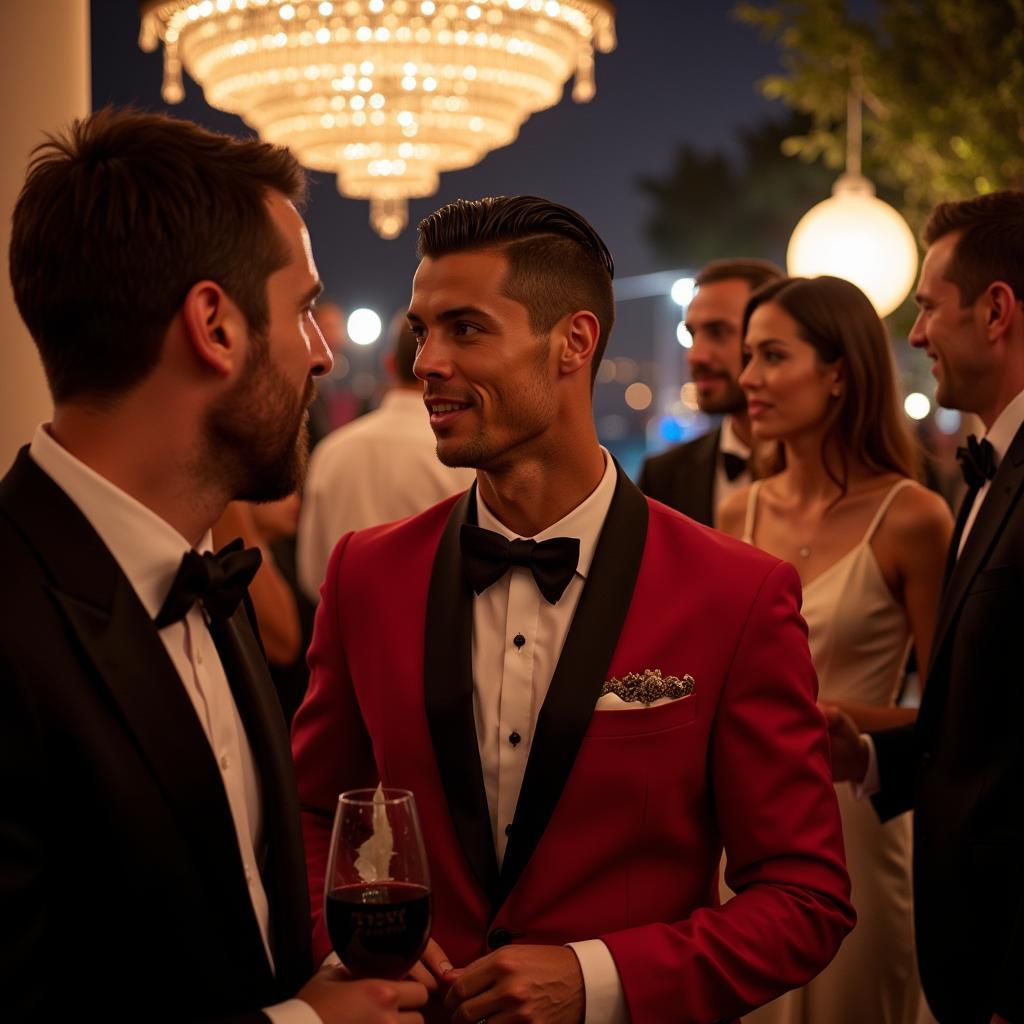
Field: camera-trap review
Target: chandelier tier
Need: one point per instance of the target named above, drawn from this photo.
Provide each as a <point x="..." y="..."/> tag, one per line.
<point x="386" y="94"/>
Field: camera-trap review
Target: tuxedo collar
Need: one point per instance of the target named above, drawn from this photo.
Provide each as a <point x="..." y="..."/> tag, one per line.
<point x="565" y="715"/>
<point x="1003" y="494"/>
<point x="117" y="636"/>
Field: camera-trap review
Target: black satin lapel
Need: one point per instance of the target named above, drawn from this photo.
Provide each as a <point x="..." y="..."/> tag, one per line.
<point x="579" y="675"/>
<point x="134" y="666"/>
<point x="1002" y="498"/>
<point x="448" y="697"/>
<point x="284" y="870"/>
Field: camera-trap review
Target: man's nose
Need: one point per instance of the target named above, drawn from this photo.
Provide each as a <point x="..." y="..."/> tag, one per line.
<point x="321" y="357"/>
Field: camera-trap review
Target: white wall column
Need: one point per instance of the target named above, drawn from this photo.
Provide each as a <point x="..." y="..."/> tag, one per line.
<point x="44" y="84"/>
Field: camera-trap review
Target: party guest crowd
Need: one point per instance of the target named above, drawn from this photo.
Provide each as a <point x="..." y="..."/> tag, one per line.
<point x="595" y="699"/>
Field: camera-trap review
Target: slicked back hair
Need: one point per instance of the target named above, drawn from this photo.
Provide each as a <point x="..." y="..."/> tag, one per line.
<point x="866" y="422"/>
<point x="557" y="263"/>
<point x="755" y="272"/>
<point x="991" y="244"/>
<point x="120" y="215"/>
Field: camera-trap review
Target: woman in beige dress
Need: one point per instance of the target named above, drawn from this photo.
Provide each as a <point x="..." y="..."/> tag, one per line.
<point x="840" y="503"/>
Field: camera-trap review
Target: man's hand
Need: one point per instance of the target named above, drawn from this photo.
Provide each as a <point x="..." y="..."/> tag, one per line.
<point x="433" y="968"/>
<point x="338" y="1000"/>
<point x="849" y="747"/>
<point x="527" y="984"/>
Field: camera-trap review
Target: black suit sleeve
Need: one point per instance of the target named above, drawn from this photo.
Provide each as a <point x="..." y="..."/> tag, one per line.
<point x="897" y="766"/>
<point x="25" y="895"/>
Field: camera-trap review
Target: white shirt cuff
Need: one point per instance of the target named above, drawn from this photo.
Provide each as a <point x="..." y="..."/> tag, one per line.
<point x="871" y="783"/>
<point x="292" y="1011"/>
<point x="602" y="987"/>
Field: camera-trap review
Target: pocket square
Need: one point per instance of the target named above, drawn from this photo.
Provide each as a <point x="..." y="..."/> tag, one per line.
<point x="644" y="689"/>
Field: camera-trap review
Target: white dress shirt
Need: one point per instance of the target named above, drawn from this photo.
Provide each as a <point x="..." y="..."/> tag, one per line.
<point x="510" y="683"/>
<point x="379" y="468"/>
<point x="149" y="551"/>
<point x="730" y="442"/>
<point x="1000" y="436"/>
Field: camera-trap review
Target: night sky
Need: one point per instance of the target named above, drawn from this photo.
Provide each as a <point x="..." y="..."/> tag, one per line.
<point x="684" y="71"/>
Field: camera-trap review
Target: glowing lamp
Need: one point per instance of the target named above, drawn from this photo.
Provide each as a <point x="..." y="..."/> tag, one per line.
<point x="856" y="236"/>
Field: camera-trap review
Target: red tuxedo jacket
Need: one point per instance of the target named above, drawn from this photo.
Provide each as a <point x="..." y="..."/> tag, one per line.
<point x="622" y="815"/>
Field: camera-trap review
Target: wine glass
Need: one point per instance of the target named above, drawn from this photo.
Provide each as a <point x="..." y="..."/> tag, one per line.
<point x="377" y="889"/>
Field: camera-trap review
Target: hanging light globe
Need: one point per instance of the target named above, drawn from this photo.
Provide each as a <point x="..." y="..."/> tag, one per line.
<point x="385" y="94"/>
<point x="856" y="236"/>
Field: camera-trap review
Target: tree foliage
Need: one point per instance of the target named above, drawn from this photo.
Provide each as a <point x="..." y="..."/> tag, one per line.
<point x="943" y="85"/>
<point x="711" y="204"/>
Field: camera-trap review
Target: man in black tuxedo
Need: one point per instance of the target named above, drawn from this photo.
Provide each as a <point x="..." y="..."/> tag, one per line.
<point x="698" y="476"/>
<point x="961" y="766"/>
<point x="151" y="864"/>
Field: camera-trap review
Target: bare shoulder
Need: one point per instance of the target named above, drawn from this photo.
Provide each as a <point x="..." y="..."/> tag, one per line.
<point x="917" y="521"/>
<point x="732" y="513"/>
<point x="917" y="508"/>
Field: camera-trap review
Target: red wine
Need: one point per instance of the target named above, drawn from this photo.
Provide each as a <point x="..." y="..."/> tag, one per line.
<point x="379" y="929"/>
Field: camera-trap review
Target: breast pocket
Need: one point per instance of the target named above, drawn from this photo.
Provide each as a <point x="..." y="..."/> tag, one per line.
<point x="998" y="577"/>
<point x="644" y="721"/>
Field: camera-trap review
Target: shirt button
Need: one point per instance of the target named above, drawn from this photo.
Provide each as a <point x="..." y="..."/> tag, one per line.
<point x="514" y="738"/>
<point x="508" y="830"/>
<point x="519" y="640"/>
<point x="225" y="762"/>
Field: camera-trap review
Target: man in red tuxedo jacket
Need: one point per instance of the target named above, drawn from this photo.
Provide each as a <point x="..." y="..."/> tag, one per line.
<point x="590" y="694"/>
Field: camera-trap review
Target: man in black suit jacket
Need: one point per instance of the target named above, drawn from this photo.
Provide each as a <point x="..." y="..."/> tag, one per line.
<point x="961" y="766"/>
<point x="151" y="864"/>
<point x="697" y="476"/>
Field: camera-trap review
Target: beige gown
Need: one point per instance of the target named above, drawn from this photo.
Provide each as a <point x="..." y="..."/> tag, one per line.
<point x="859" y="638"/>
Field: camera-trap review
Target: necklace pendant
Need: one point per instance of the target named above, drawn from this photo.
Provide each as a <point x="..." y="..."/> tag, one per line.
<point x="805" y="552"/>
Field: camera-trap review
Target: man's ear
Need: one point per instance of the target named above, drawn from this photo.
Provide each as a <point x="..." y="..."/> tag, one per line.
<point x="581" y="332"/>
<point x="214" y="327"/>
<point x="1000" y="309"/>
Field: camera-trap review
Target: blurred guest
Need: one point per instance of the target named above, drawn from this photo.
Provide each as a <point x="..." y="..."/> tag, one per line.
<point x="151" y="862"/>
<point x="961" y="767"/>
<point x="335" y="403"/>
<point x="698" y="476"/>
<point x="868" y="542"/>
<point x="381" y="468"/>
<point x="283" y="614"/>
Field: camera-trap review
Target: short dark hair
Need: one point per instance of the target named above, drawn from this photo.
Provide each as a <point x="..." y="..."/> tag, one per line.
<point x="557" y="262"/>
<point x="991" y="243"/>
<point x="119" y="216"/>
<point x="755" y="272"/>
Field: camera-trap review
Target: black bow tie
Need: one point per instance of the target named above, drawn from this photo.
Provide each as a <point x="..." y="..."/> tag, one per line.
<point x="733" y="464"/>
<point x="487" y="556"/>
<point x="977" y="462"/>
<point x="219" y="581"/>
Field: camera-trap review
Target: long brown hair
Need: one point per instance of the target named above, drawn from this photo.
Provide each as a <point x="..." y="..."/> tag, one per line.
<point x="866" y="421"/>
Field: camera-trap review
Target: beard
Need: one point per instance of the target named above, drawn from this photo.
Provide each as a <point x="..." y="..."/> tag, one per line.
<point x="256" y="437"/>
<point x="731" y="401"/>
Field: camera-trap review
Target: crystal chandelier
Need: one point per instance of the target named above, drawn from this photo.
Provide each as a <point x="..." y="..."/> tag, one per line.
<point x="386" y="94"/>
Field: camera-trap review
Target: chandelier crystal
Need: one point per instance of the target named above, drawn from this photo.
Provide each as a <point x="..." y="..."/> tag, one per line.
<point x="386" y="94"/>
